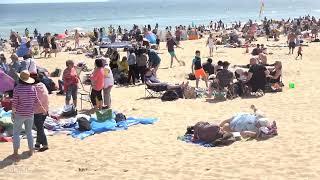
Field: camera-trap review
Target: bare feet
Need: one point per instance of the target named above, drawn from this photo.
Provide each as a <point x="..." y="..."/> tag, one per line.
<point x="15" y="157"/>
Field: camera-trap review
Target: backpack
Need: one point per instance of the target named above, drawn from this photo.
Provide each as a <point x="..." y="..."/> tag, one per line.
<point x="84" y="124"/>
<point x="56" y="73"/>
<point x="120" y="117"/>
<point x="170" y="96"/>
<point x="69" y="111"/>
<point x="191" y="77"/>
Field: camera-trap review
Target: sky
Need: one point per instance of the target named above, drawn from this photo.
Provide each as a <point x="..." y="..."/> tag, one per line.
<point x="45" y="1"/>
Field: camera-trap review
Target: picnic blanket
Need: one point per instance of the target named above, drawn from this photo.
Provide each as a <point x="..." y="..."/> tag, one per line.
<point x="110" y="125"/>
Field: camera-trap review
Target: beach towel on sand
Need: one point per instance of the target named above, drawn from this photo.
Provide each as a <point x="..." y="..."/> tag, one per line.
<point x="110" y="125"/>
<point x="217" y="143"/>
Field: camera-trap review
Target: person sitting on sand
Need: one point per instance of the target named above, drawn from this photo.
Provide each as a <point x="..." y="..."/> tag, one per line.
<point x="223" y="79"/>
<point x="256" y="51"/>
<point x="218" y="67"/>
<point x="3" y="64"/>
<point x="124" y="66"/>
<point x="275" y="73"/>
<point x="249" y="125"/>
<point x="155" y="84"/>
<point x="208" y="67"/>
<point x="263" y="59"/>
<point x="257" y="76"/>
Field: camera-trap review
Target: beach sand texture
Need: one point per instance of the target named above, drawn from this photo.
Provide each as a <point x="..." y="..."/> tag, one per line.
<point x="153" y="151"/>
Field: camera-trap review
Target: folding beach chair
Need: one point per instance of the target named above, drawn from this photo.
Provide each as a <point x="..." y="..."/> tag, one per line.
<point x="84" y="94"/>
<point x="150" y="92"/>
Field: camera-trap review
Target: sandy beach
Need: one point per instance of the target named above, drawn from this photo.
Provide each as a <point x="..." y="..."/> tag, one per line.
<point x="153" y="151"/>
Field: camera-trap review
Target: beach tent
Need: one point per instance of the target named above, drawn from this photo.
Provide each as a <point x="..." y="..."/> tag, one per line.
<point x="23" y="50"/>
<point x="152" y="38"/>
<point x="6" y="82"/>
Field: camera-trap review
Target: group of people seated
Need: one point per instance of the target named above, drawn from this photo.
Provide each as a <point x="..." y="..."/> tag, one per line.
<point x="251" y="78"/>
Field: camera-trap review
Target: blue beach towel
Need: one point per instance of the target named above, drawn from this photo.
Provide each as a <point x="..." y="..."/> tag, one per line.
<point x="111" y="125"/>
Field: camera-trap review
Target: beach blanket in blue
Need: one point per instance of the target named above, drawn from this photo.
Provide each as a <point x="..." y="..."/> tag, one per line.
<point x="111" y="125"/>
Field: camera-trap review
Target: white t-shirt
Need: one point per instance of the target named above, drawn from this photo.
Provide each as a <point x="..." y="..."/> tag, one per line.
<point x="108" y="77"/>
<point x="31" y="66"/>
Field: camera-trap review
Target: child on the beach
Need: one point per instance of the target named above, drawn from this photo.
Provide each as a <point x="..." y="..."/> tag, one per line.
<point x="299" y="52"/>
<point x="198" y="70"/>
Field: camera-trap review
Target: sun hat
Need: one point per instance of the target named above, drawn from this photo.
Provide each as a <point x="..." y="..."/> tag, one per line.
<point x="25" y="77"/>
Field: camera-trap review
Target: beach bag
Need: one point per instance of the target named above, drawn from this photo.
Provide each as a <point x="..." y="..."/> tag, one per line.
<point x="190" y="93"/>
<point x="120" y="117"/>
<point x="170" y="96"/>
<point x="84" y="124"/>
<point x="56" y="73"/>
<point x="191" y="77"/>
<point x="104" y="115"/>
<point x="69" y="111"/>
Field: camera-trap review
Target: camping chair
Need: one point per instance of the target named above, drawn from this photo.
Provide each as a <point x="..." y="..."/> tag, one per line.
<point x="150" y="92"/>
<point x="84" y="94"/>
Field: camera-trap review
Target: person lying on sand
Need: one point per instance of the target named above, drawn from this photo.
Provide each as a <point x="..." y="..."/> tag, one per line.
<point x="250" y="125"/>
<point x="153" y="83"/>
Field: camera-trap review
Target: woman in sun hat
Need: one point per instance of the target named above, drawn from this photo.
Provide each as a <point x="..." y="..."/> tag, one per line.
<point x="24" y="102"/>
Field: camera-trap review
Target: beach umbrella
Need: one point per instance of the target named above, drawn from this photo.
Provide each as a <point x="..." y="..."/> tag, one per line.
<point x="6" y="82"/>
<point x="61" y="36"/>
<point x="78" y="29"/>
<point x="22" y="50"/>
<point x="152" y="38"/>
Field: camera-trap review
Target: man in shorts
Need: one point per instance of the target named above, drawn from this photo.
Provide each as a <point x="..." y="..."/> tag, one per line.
<point x="198" y="70"/>
<point x="291" y="40"/>
<point x="170" y="45"/>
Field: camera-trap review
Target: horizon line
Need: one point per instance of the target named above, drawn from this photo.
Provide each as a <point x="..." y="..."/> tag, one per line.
<point x="96" y="1"/>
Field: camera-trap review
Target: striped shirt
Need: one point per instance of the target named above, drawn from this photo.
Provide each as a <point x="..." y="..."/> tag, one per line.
<point x="25" y="100"/>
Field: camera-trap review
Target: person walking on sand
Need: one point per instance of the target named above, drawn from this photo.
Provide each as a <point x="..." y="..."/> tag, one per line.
<point x="210" y="44"/>
<point x="170" y="45"/>
<point x="198" y="70"/>
<point x="291" y="42"/>
<point x="76" y="39"/>
<point x="299" y="52"/>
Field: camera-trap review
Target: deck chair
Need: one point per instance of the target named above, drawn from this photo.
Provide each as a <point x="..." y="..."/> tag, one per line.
<point x="151" y="92"/>
<point x="84" y="94"/>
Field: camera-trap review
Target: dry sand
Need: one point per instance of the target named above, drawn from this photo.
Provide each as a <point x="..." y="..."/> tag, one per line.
<point x="153" y="151"/>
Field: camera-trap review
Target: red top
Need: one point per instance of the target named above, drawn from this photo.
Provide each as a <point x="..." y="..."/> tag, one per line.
<point x="97" y="79"/>
<point x="69" y="77"/>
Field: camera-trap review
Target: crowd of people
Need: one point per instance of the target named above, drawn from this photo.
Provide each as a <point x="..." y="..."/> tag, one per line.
<point x="30" y="95"/>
